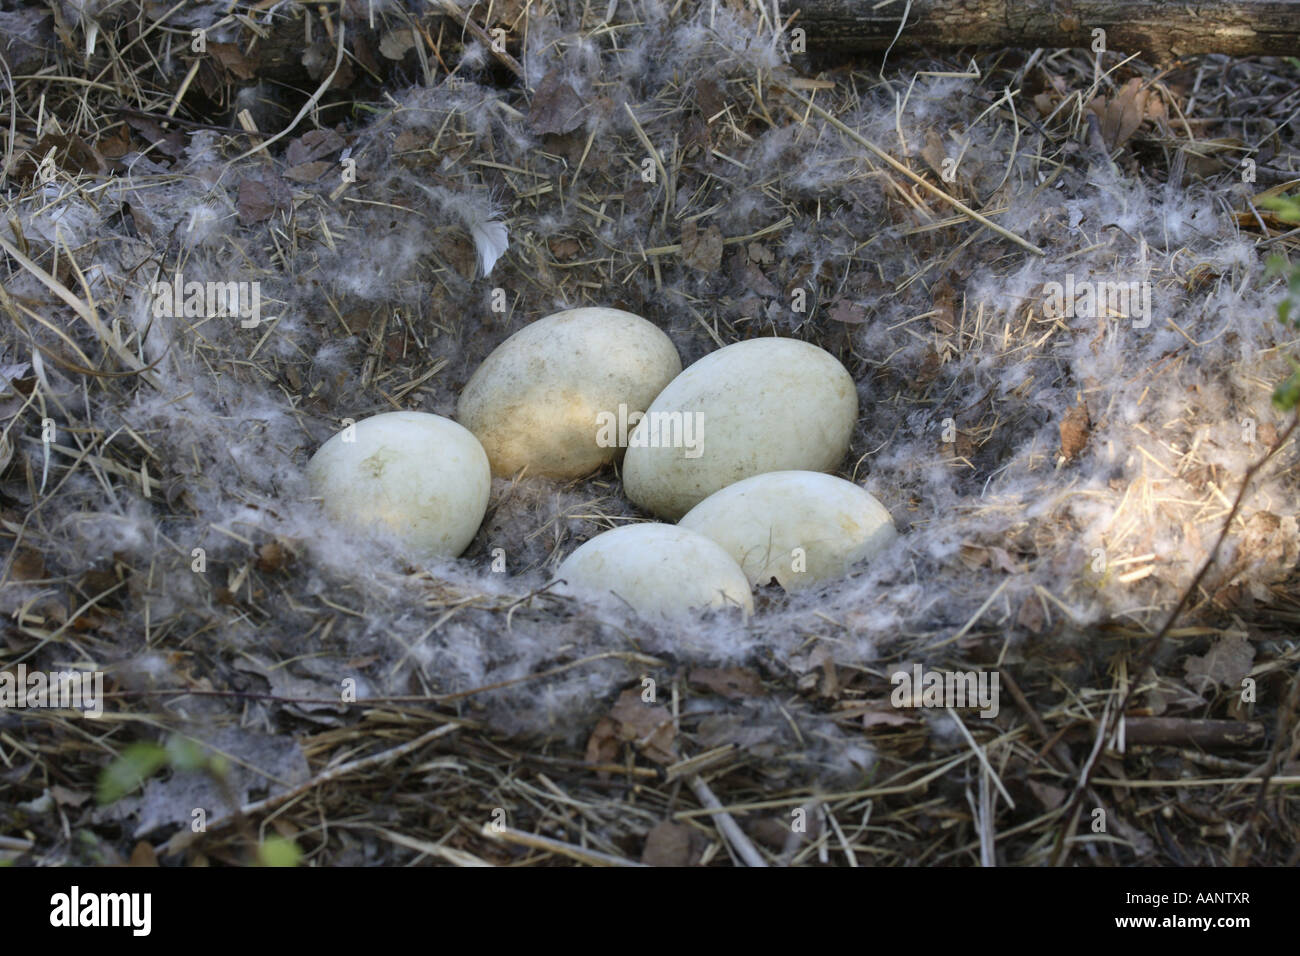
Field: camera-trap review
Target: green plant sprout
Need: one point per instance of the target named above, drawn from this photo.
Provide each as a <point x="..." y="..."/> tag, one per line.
<point x="1287" y="395"/>
<point x="140" y="761"/>
<point x="278" y="851"/>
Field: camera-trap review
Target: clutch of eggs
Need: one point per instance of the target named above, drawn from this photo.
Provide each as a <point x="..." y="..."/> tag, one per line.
<point x="421" y="478"/>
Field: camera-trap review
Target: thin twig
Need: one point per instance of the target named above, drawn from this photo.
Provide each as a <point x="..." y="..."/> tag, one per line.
<point x="727" y="825"/>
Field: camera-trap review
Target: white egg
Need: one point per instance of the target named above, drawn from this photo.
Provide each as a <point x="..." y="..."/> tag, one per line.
<point x="768" y="404"/>
<point x="658" y="570"/>
<point x="552" y="396"/>
<point x="422" y="478"/>
<point x="800" y="527"/>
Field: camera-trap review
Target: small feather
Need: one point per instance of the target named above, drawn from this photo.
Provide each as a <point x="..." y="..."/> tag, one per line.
<point x="491" y="239"/>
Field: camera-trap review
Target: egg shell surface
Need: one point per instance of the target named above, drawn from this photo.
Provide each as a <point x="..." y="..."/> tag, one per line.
<point x="659" y="570"/>
<point x="761" y="521"/>
<point x="422" y="478"/>
<point x="535" y="400"/>
<point x="770" y="404"/>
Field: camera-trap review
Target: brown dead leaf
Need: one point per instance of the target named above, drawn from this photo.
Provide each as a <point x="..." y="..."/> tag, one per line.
<point x="929" y="369"/>
<point x="850" y="313"/>
<point x="72" y="154"/>
<point x="933" y="152"/>
<point x="143" y="855"/>
<point x="1049" y="796"/>
<point x="564" y="249"/>
<point x="603" y="744"/>
<point x="271" y="557"/>
<point x="98" y="580"/>
<point x="756" y="281"/>
<point x="28" y="565"/>
<point x="409" y="140"/>
<point x="1075" y="429"/>
<point x="312" y="145"/>
<point x="1031" y="616"/>
<point x="357" y="321"/>
<point x="649" y="727"/>
<point x="959" y="450"/>
<point x="709" y="97"/>
<point x="730" y="682"/>
<point x="701" y="249"/>
<point x="232" y="58"/>
<point x="1121" y="115"/>
<point x="88" y="621"/>
<point x="1227" y="661"/>
<point x="1002" y="560"/>
<point x="261" y="198"/>
<point x="395" y="44"/>
<point x="670" y="844"/>
<point x="944" y="316"/>
<point x="170" y="142"/>
<point x="115" y="145"/>
<point x="308" y="172"/>
<point x="556" y="106"/>
<point x="459" y="252"/>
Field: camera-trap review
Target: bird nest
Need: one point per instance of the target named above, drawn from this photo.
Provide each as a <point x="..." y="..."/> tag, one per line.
<point x="1045" y="270"/>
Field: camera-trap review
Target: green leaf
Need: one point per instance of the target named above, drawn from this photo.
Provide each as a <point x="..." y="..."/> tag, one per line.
<point x="1286" y="207"/>
<point x="185" y="754"/>
<point x="1287" y="395"/>
<point x="136" y="764"/>
<point x="277" y="851"/>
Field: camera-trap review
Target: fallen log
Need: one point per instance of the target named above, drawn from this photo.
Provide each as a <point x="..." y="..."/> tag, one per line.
<point x="1236" y="27"/>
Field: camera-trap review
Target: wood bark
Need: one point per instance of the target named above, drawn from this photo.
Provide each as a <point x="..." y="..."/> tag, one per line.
<point x="1156" y="28"/>
<point x="1236" y="27"/>
<point x="1185" y="732"/>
